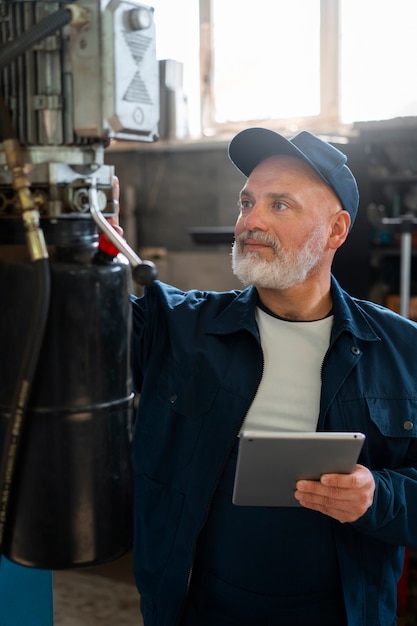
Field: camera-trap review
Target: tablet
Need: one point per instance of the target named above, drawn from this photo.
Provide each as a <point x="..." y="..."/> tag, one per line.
<point x="270" y="463"/>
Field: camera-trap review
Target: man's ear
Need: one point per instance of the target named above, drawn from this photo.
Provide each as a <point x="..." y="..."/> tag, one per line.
<point x="339" y="229"/>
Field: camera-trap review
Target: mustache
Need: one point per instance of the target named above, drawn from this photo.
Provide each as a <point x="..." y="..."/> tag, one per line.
<point x="257" y="235"/>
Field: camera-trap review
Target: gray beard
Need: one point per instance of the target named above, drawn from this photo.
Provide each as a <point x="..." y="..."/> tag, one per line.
<point x="286" y="269"/>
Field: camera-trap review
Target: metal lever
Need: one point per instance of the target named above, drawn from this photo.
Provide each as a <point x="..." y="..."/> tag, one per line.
<point x="143" y="272"/>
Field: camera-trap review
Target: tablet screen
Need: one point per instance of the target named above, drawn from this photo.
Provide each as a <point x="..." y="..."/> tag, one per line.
<point x="270" y="463"/>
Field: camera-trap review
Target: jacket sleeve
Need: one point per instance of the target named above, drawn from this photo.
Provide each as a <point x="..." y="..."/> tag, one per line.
<point x="392" y="518"/>
<point x="379" y="398"/>
<point x="147" y="330"/>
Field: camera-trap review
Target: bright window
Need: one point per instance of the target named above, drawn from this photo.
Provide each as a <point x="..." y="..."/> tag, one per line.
<point x="291" y="64"/>
<point x="266" y="59"/>
<point x="378" y="59"/>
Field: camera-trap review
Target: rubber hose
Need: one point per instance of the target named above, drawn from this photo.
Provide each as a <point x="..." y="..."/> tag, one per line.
<point x="27" y="371"/>
<point x="39" y="31"/>
<point x="6" y="126"/>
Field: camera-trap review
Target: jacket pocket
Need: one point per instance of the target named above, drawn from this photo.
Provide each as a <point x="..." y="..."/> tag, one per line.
<point x="394" y="417"/>
<point x="158" y="511"/>
<point x="392" y="436"/>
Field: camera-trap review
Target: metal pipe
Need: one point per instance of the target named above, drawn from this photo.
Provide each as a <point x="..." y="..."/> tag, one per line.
<point x="405" y="273"/>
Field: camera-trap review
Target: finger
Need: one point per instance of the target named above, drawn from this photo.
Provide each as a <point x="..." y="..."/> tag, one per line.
<point x="341" y="503"/>
<point x="347" y="509"/>
<point x="343" y="512"/>
<point x="114" y="219"/>
<point x="360" y="478"/>
<point x="116" y="189"/>
<point x="314" y="491"/>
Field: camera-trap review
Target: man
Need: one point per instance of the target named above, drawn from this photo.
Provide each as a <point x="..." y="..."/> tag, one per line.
<point x="293" y="351"/>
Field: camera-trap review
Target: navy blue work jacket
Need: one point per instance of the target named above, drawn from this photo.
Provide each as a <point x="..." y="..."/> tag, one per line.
<point x="197" y="363"/>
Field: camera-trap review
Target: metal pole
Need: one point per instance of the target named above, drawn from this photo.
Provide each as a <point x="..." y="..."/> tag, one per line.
<point x="405" y="274"/>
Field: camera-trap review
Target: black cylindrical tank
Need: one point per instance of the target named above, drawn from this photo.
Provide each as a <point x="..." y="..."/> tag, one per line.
<point x="70" y="503"/>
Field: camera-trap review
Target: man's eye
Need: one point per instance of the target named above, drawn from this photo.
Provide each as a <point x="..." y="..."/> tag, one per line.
<point x="280" y="206"/>
<point x="245" y="204"/>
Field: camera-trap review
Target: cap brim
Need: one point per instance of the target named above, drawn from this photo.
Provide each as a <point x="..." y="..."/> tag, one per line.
<point x="253" y="145"/>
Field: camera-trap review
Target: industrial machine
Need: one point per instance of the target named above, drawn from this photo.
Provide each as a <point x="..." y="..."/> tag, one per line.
<point x="73" y="77"/>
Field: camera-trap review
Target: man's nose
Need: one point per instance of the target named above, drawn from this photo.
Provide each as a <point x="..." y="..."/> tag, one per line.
<point x="256" y="218"/>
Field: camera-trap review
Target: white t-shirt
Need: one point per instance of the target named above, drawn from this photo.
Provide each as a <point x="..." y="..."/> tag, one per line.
<point x="288" y="397"/>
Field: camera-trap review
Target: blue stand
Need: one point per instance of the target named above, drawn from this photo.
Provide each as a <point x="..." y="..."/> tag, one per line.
<point x="25" y="595"/>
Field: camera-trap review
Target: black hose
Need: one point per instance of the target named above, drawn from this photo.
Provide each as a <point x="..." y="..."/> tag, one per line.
<point x="37" y="324"/>
<point x="28" y="366"/>
<point x="39" y="31"/>
<point x="7" y="130"/>
<point x="15" y="424"/>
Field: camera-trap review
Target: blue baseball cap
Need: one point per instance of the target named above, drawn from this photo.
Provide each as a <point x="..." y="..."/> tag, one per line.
<point x="253" y="145"/>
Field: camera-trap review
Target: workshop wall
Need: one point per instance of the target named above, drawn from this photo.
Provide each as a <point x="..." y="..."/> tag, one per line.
<point x="167" y="191"/>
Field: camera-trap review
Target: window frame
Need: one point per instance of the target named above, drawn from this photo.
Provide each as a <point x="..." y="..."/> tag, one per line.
<point x="327" y="120"/>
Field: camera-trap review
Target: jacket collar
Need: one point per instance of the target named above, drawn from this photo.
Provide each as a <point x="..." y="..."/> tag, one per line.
<point x="348" y="315"/>
<point x="238" y="315"/>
